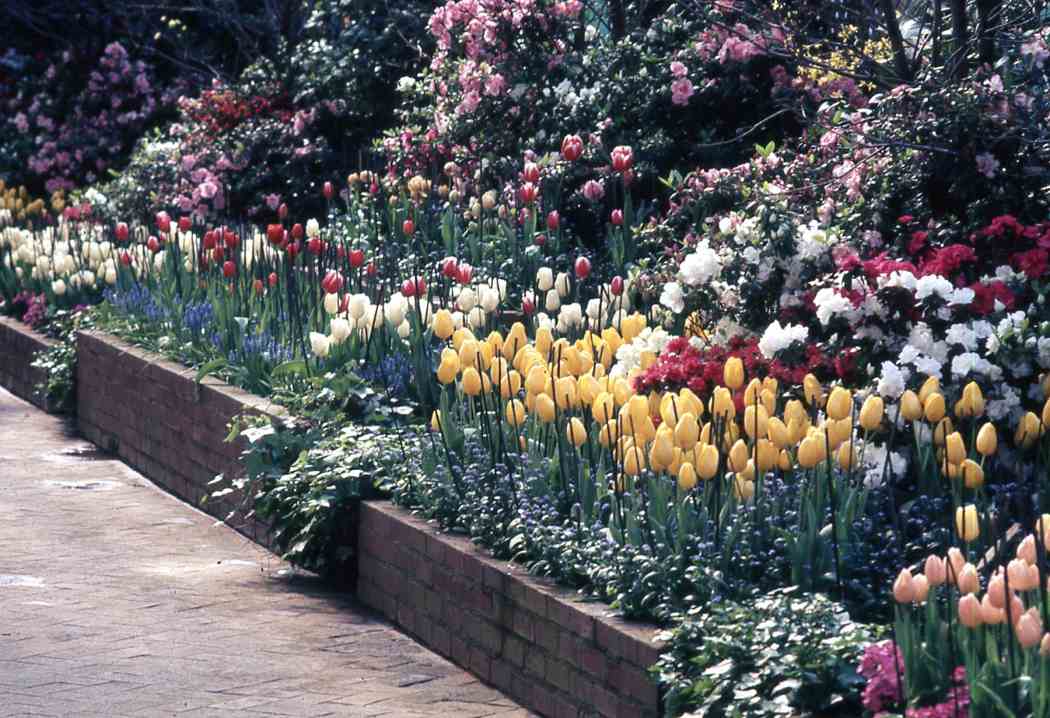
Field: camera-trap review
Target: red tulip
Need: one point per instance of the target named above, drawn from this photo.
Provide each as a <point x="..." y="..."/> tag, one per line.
<point x="464" y="273"/>
<point x="616" y="286"/>
<point x="408" y="288"/>
<point x="125" y="258"/>
<point x="582" y="267"/>
<point x="340" y="252"/>
<point x="275" y="233"/>
<point x="297" y="231"/>
<point x="258" y="286"/>
<point x="371" y="269"/>
<point x="332" y="281"/>
<point x="528" y="193"/>
<point x="329" y="190"/>
<point x="616" y="217"/>
<point x="571" y="148"/>
<point x="344" y="303"/>
<point x="292" y="249"/>
<point x="230" y="239"/>
<point x="209" y="239"/>
<point x="449" y="267"/>
<point x="185" y="224"/>
<point x="531" y="172"/>
<point x="622" y="158"/>
<point x="272" y="279"/>
<point x="153" y="244"/>
<point x="282" y="211"/>
<point x="409" y="227"/>
<point x="314" y="245"/>
<point x="229" y="269"/>
<point x="121" y="232"/>
<point x="628" y="177"/>
<point x="217" y="254"/>
<point x="357" y="258"/>
<point x="163" y="222"/>
<point x="553" y="220"/>
<point x="539" y="240"/>
<point x="528" y="306"/>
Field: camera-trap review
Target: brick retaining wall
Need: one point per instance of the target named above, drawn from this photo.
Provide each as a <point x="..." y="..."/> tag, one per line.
<point x="154" y="416"/>
<point x="553" y="653"/>
<point x="18" y="345"/>
<point x="548" y="650"/>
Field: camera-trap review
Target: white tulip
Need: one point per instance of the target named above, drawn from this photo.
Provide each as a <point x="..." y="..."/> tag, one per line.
<point x="359" y="304"/>
<point x="313" y="228"/>
<point x="111" y="275"/>
<point x="562" y="284"/>
<point x="58" y="287"/>
<point x="552" y="301"/>
<point x="467" y="299"/>
<point x="320" y="344"/>
<point x="331" y="302"/>
<point x="404" y="329"/>
<point x="457" y="320"/>
<point x="544" y="279"/>
<point x="340" y="330"/>
<point x="476" y="318"/>
<point x="395" y="310"/>
<point x="489" y="299"/>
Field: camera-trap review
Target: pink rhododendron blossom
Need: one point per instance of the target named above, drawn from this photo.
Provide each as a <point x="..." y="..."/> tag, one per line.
<point x="681" y="90"/>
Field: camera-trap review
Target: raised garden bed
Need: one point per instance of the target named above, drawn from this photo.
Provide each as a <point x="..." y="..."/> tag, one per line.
<point x="552" y="652"/>
<point x="18" y="345"/>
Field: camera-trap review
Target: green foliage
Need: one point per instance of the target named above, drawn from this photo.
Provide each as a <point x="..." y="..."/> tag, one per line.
<point x="784" y="654"/>
<point x="60" y="359"/>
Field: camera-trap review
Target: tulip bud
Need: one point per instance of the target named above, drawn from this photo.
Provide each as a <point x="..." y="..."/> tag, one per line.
<point x="515" y="413"/>
<point x="966" y="522"/>
<point x="934" y="570"/>
<point x="967" y="580"/>
<point x="436" y="420"/>
<point x="910" y="406"/>
<point x="571" y="148"/>
<point x="811" y="452"/>
<point x="443" y="325"/>
<point x="987" y="440"/>
<point x="934" y="408"/>
<point x="840" y="402"/>
<point x="686" y="477"/>
<point x="972" y="474"/>
<point x="1029" y="628"/>
<point x="871" y="413"/>
<point x="707" y="464"/>
<point x="955" y="448"/>
<point x="970" y="611"/>
<point x="582" y="268"/>
<point x="733" y="373"/>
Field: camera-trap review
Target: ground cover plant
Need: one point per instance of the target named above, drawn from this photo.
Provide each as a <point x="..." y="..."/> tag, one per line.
<point x="733" y="316"/>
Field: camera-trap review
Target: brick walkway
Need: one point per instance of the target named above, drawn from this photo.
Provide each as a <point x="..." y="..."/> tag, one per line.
<point x="118" y="600"/>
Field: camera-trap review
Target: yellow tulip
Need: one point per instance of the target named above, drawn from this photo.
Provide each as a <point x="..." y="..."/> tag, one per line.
<point x="588" y="388"/>
<point x="840" y="403"/>
<point x="485" y="352"/>
<point x="471" y="382"/>
<point x="910" y="406"/>
<point x="812" y="391"/>
<point x="769" y="400"/>
<point x="987" y="440"/>
<point x="575" y="432"/>
<point x="662" y="452"/>
<point x="536" y="380"/>
<point x="707" y="461"/>
<point x="1028" y="430"/>
<point x="966" y="522"/>
<point x="767" y="455"/>
<point x="603" y="408"/>
<point x="756" y="420"/>
<point x="972" y="474"/>
<point x="686" y="431"/>
<point x="733" y="373"/>
<point x="516" y="339"/>
<point x="545" y="409"/>
<point x="744" y="489"/>
<point x="633" y="462"/>
<point x="436" y="420"/>
<point x="941" y="431"/>
<point x="738" y="456"/>
<point x="932" y="385"/>
<point x="777" y="432"/>
<point x="565" y="393"/>
<point x="442" y="324"/>
<point x="515" y="413"/>
<point x="838" y="432"/>
<point x="811" y="451"/>
<point x="871" y="413"/>
<point x="955" y="448"/>
<point x="686" y="477"/>
<point x="609" y="434"/>
<point x="933" y="408"/>
<point x="544" y="341"/>
<point x="784" y="461"/>
<point x="690" y="402"/>
<point x="1046" y="415"/>
<point x="754" y="387"/>
<point x="722" y="405"/>
<point x="847" y="456"/>
<point x="638" y="408"/>
<point x="468" y="352"/>
<point x="621" y="391"/>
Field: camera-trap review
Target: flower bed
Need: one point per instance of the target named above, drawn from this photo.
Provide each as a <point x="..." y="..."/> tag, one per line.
<point x="18" y="344"/>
